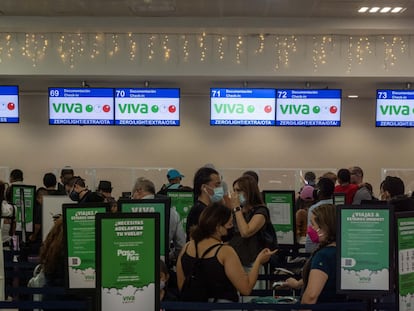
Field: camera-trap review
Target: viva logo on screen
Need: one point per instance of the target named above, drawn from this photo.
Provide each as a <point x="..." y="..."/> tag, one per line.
<point x="395" y="108"/>
<point x="84" y="106"/>
<point x="231" y="106"/>
<point x="239" y="108"/>
<point x="80" y="108"/>
<point x="307" y="109"/>
<point x="403" y="110"/>
<point x="137" y="106"/>
<point x="143" y="108"/>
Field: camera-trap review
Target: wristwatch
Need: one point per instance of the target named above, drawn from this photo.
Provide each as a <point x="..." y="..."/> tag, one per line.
<point x="236" y="209"/>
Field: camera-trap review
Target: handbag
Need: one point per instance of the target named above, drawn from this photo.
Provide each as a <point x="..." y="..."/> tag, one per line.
<point x="38" y="279"/>
<point x="267" y="235"/>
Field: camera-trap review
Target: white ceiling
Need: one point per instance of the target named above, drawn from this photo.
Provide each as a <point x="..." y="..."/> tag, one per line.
<point x="293" y="16"/>
<point x="196" y="8"/>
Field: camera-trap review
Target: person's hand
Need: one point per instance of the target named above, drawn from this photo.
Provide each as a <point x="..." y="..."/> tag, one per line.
<point x="265" y="255"/>
<point x="292" y="283"/>
<point x="234" y="198"/>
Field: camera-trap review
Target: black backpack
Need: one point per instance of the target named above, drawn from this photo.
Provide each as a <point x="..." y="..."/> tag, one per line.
<point x="194" y="287"/>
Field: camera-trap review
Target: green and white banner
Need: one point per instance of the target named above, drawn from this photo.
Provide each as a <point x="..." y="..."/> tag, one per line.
<point x="364" y="249"/>
<point x="182" y="201"/>
<point x="405" y="251"/>
<point x="29" y="195"/>
<point x="152" y="206"/>
<point x="128" y="270"/>
<point x="281" y="207"/>
<point x="80" y="228"/>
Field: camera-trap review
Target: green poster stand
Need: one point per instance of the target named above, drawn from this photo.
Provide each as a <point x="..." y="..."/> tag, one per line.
<point x="182" y="201"/>
<point x="127" y="265"/>
<point x="79" y="229"/>
<point x="364" y="250"/>
<point x="405" y="260"/>
<point x="24" y="212"/>
<point x="161" y="206"/>
<point x="281" y="205"/>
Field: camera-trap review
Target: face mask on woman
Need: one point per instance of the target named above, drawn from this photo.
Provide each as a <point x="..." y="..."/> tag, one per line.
<point x="313" y="234"/>
<point x="242" y="199"/>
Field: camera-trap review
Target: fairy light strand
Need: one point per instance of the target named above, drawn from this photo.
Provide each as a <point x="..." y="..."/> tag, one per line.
<point x="185" y="49"/>
<point x="72" y="47"/>
<point x="239" y="49"/>
<point x="261" y="44"/>
<point x="132" y="43"/>
<point x="203" y="47"/>
<point x="319" y="51"/>
<point x="166" y="49"/>
<point x="284" y="47"/>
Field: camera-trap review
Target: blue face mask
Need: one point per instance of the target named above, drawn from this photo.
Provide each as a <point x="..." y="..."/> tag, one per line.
<point x="218" y="194"/>
<point x="242" y="199"/>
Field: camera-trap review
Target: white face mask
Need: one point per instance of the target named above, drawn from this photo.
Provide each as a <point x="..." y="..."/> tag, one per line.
<point x="242" y="199"/>
<point x="217" y="195"/>
<point x="162" y="284"/>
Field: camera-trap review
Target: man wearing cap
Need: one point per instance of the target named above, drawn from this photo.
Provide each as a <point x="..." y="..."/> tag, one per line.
<point x="65" y="175"/>
<point x="174" y="181"/>
<point x="105" y="188"/>
<point x="80" y="193"/>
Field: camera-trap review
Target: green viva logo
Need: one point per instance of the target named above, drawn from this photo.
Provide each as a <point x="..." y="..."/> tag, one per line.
<point x="65" y="107"/>
<point x="128" y="299"/>
<point x="298" y="109"/>
<point x="395" y="110"/>
<point x="136" y="108"/>
<point x="233" y="108"/>
<point x="76" y="108"/>
<point x="143" y="108"/>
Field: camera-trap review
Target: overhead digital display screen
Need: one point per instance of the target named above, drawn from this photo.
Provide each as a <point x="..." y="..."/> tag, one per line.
<point x="308" y="107"/>
<point x="157" y="107"/>
<point x="395" y="108"/>
<point x="82" y="106"/>
<point x="253" y="107"/>
<point x="9" y="104"/>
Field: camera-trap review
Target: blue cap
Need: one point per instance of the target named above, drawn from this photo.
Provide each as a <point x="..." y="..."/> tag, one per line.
<point x="171" y="174"/>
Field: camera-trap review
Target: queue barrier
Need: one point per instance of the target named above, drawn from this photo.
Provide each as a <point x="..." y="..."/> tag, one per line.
<point x="354" y="306"/>
<point x="22" y="297"/>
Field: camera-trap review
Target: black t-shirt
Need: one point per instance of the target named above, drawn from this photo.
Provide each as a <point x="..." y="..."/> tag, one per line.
<point x="193" y="216"/>
<point x="247" y="248"/>
<point x="90" y="197"/>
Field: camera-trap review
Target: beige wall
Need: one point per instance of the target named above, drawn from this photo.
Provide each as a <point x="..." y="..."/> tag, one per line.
<point x="36" y="147"/>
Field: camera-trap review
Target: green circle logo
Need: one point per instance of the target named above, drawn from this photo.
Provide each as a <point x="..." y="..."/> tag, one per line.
<point x="155" y="109"/>
<point x="250" y="108"/>
<point x="89" y="108"/>
<point x="316" y="109"/>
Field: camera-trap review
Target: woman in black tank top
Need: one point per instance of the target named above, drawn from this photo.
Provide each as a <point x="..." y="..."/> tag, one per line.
<point x="208" y="269"/>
